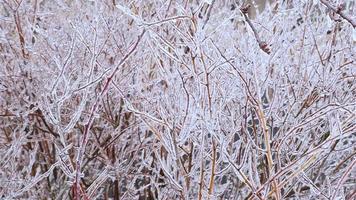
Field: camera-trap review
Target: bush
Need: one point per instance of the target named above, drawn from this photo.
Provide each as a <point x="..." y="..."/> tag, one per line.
<point x="177" y="100"/>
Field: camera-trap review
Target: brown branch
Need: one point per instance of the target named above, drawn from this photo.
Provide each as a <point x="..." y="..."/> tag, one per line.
<point x="201" y="183"/>
<point x="339" y="10"/>
<point x="263" y="45"/>
<point x="21" y="35"/>
<point x="212" y="175"/>
<point x="267" y="137"/>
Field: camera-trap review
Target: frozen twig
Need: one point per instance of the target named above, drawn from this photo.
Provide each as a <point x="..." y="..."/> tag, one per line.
<point x="195" y="114"/>
<point x="340" y="11"/>
<point x="85" y="136"/>
<point x="343" y="178"/>
<point x="262" y="44"/>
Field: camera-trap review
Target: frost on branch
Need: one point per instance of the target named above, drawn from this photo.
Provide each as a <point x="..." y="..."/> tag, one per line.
<point x="177" y="99"/>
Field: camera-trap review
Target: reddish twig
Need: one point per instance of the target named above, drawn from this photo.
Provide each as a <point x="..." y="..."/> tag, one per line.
<point x="339" y="10"/>
<point x="91" y="118"/>
<point x="343" y="178"/>
<point x="263" y="45"/>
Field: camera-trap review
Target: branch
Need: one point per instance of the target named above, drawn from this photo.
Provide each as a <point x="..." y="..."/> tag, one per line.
<point x="263" y="45"/>
<point x="339" y="10"/>
<point x="91" y="118"/>
<point x="343" y="178"/>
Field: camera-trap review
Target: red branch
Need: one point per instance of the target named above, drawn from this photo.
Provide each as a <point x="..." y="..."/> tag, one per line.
<point x="91" y="119"/>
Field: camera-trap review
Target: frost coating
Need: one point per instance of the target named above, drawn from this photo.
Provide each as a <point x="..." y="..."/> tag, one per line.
<point x="177" y="100"/>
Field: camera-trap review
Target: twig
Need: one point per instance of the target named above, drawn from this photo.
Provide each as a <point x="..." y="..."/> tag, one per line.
<point x="91" y="118"/>
<point x="266" y="136"/>
<point x="263" y="45"/>
<point x="21" y="35"/>
<point x="343" y="178"/>
<point x="208" y="13"/>
<point x="201" y="182"/>
<point x="243" y="178"/>
<point x="339" y="10"/>
<point x="212" y="175"/>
